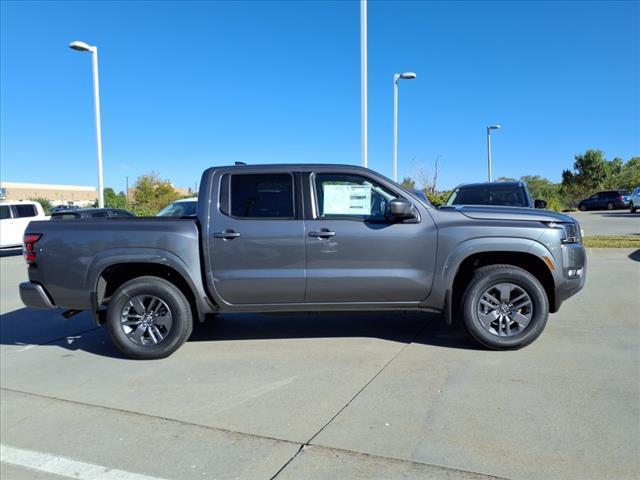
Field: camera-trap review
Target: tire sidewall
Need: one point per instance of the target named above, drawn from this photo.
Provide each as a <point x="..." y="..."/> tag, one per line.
<point x="180" y="317"/>
<point x="523" y="280"/>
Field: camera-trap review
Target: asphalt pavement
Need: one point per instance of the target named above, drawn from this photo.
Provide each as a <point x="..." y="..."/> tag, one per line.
<point x="608" y="223"/>
<point x="328" y="396"/>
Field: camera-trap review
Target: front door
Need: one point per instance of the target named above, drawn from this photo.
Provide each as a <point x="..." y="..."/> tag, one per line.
<point x="355" y="253"/>
<point x="256" y="249"/>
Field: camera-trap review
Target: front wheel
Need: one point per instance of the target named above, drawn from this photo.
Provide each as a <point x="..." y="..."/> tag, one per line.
<point x="149" y="318"/>
<point x="582" y="208"/>
<point x="610" y="206"/>
<point x="633" y="209"/>
<point x="504" y="307"/>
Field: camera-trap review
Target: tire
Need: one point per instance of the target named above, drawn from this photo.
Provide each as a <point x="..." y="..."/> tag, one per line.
<point x="505" y="332"/>
<point x="582" y="208"/>
<point x="633" y="209"/>
<point x="158" y="316"/>
<point x="610" y="206"/>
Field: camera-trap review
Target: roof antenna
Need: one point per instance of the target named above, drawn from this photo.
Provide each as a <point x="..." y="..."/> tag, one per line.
<point x="240" y="163"/>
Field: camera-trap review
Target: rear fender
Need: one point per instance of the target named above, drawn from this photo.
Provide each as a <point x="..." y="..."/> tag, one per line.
<point x="191" y="274"/>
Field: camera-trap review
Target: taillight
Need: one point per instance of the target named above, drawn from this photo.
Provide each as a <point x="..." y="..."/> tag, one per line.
<point x="619" y="198"/>
<point x="29" y="249"/>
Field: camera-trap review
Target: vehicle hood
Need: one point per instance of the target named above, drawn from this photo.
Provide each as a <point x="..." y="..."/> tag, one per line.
<point x="485" y="212"/>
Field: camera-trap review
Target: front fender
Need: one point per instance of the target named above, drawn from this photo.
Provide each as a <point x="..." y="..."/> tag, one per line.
<point x="448" y="267"/>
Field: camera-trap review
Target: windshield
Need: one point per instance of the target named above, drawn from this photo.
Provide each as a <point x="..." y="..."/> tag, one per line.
<point x="506" y="195"/>
<point x="179" y="209"/>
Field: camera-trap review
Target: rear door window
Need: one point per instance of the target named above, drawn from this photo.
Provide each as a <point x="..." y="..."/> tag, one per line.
<point x="5" y="212"/>
<point x="268" y="195"/>
<point x="24" y="211"/>
<point x="99" y="215"/>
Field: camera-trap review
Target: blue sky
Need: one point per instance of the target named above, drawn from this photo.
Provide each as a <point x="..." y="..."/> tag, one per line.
<point x="188" y="85"/>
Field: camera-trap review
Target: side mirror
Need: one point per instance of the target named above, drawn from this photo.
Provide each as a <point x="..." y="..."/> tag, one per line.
<point x="540" y="204"/>
<point x="401" y="209"/>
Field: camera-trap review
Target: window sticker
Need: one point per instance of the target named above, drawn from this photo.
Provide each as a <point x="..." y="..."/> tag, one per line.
<point x="346" y="199"/>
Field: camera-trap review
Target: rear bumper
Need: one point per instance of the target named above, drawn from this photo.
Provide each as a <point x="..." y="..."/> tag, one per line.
<point x="33" y="295"/>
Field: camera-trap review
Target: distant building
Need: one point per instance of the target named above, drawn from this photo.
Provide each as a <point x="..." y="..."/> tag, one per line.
<point x="56" y="194"/>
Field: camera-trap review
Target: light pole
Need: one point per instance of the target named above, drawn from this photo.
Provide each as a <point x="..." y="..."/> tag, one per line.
<point x="363" y="82"/>
<point x="83" y="47"/>
<point x="489" y="128"/>
<point x="396" y="77"/>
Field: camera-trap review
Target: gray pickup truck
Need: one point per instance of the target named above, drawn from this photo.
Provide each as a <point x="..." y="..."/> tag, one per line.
<point x="283" y="238"/>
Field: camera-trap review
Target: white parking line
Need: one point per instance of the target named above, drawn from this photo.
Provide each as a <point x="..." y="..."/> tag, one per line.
<point x="65" y="467"/>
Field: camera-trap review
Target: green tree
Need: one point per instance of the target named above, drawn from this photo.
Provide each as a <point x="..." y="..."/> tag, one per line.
<point x="152" y="194"/>
<point x="113" y="200"/>
<point x="408" y="183"/>
<point x="629" y="176"/>
<point x="46" y="204"/>
<point x="590" y="173"/>
<point x="544" y="189"/>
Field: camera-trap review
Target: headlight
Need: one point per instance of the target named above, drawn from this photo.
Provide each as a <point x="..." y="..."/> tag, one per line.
<point x="571" y="232"/>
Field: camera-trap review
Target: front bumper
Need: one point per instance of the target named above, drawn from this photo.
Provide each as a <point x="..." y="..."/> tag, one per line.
<point x="33" y="295"/>
<point x="574" y="272"/>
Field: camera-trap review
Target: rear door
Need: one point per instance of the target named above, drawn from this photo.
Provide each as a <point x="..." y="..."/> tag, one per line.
<point x="354" y="253"/>
<point x="256" y="250"/>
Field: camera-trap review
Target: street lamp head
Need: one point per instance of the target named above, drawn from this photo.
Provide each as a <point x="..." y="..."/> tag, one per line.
<point x="81" y="46"/>
<point x="407" y="76"/>
<point x="494" y="127"/>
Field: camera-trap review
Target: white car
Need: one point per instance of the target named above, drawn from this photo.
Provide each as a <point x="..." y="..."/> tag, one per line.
<point x="634" y="200"/>
<point x="187" y="207"/>
<point x="14" y="218"/>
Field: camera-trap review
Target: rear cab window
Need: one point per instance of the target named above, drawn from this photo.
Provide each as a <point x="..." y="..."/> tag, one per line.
<point x="64" y="216"/>
<point x="511" y="196"/>
<point x="121" y="214"/>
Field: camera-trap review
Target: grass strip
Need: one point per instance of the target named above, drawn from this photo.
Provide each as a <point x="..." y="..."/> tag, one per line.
<point x="612" y="242"/>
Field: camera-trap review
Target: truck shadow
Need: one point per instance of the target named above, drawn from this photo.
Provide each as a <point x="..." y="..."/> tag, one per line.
<point x="26" y="327"/>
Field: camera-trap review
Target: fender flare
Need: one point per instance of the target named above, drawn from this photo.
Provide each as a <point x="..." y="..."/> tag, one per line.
<point x="157" y="256"/>
<point x="450" y="266"/>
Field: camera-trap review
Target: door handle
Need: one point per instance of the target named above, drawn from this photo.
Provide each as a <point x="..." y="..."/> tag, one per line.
<point x="322" y="233"/>
<point x="226" y="234"/>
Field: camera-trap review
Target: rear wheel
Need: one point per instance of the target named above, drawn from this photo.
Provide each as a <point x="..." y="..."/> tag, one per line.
<point x="582" y="208"/>
<point x="504" y="307"/>
<point x="149" y="318"/>
<point x="633" y="208"/>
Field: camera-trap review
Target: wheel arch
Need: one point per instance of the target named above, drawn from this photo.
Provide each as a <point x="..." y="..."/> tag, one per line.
<point x="527" y="261"/>
<point x="111" y="269"/>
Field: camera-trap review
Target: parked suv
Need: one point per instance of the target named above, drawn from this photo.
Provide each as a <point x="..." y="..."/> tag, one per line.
<point x="634" y="200"/>
<point x="180" y="208"/>
<point x="606" y="200"/>
<point x="506" y="194"/>
<point x="14" y="218"/>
